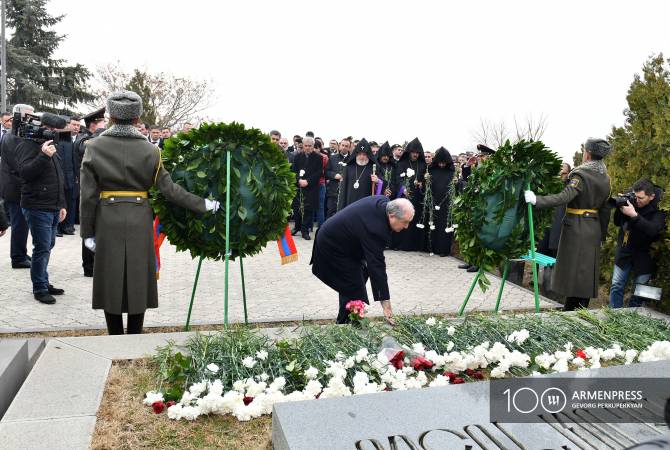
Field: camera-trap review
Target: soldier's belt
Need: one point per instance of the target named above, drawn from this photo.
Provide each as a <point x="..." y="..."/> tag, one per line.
<point x="109" y="194"/>
<point x="581" y="212"/>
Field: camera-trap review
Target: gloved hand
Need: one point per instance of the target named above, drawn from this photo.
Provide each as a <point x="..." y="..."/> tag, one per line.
<point x="89" y="243"/>
<point x="530" y="197"/>
<point x="212" y="205"/>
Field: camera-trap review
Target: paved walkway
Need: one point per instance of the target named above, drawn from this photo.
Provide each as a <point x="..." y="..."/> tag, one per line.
<point x="419" y="283"/>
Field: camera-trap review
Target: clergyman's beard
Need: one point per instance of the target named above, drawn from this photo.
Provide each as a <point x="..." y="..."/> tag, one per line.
<point x="361" y="161"/>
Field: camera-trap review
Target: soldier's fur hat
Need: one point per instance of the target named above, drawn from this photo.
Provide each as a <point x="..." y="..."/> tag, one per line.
<point x="124" y="105"/>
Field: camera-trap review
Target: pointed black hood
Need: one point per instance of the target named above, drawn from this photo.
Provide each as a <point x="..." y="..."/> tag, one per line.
<point x="385" y="150"/>
<point x="442" y="155"/>
<point x="361" y="147"/>
<point x="413" y="146"/>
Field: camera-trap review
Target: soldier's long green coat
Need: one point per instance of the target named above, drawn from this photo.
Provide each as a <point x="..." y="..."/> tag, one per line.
<point x="578" y="259"/>
<point x="121" y="159"/>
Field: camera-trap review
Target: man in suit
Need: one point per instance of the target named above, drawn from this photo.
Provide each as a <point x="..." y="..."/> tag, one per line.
<point x="155" y="137"/>
<point x="349" y="248"/>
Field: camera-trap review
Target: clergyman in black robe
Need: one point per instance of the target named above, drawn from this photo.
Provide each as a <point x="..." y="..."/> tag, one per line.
<point x="334" y="169"/>
<point x="410" y="172"/>
<point x="308" y="167"/>
<point x="359" y="176"/>
<point x="441" y="172"/>
<point x="349" y="248"/>
<point x="387" y="170"/>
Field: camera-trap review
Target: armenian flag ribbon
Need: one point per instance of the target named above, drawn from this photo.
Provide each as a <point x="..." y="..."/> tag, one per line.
<point x="159" y="237"/>
<point x="287" y="249"/>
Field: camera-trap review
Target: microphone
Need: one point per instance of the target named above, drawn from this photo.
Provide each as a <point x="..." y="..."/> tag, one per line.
<point x="52" y="121"/>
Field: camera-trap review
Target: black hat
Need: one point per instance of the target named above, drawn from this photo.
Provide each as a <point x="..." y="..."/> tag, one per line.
<point x="361" y="147"/>
<point x="94" y="116"/>
<point x="484" y="149"/>
<point x="385" y="150"/>
<point x="443" y="155"/>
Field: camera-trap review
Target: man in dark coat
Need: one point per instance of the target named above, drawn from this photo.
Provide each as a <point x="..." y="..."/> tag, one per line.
<point x="334" y="169"/>
<point x="349" y="247"/>
<point x="584" y="226"/>
<point x="308" y="167"/>
<point x="410" y="171"/>
<point x="359" y="176"/>
<point x="68" y="159"/>
<point x="4" y="223"/>
<point x="441" y="233"/>
<point x="95" y="126"/>
<point x="641" y="224"/>
<point x="387" y="170"/>
<point x="10" y="191"/>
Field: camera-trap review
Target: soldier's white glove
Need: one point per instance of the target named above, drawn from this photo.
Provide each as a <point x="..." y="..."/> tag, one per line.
<point x="530" y="197"/>
<point x="212" y="205"/>
<point x="89" y="243"/>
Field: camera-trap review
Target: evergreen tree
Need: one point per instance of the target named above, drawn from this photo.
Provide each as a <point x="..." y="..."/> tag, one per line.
<point x="139" y="84"/>
<point x="33" y="75"/>
<point x="641" y="149"/>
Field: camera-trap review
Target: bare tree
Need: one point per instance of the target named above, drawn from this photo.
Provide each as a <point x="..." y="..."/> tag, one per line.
<point x="494" y="134"/>
<point x="168" y="100"/>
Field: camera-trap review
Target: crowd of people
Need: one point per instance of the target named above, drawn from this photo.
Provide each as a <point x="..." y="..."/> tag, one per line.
<point x="43" y="188"/>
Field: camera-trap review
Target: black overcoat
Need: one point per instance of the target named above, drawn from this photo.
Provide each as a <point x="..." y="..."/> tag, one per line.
<point x="312" y="164"/>
<point x="351" y="238"/>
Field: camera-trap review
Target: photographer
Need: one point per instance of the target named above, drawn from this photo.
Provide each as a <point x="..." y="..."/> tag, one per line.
<point x="43" y="204"/>
<point x="641" y="224"/>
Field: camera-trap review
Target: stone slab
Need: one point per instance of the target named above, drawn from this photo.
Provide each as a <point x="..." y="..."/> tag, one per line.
<point x="448" y="417"/>
<point x="13" y="370"/>
<point x="35" y="348"/>
<point x="65" y="382"/>
<point x="70" y="433"/>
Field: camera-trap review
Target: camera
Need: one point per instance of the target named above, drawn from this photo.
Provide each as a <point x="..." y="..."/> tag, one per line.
<point x="36" y="128"/>
<point x="622" y="200"/>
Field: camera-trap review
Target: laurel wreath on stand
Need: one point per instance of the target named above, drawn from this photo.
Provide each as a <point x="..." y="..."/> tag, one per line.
<point x="262" y="188"/>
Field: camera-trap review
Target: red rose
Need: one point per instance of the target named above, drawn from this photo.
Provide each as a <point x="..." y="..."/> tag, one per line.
<point x="398" y="360"/>
<point x="170" y="403"/>
<point x="580" y="354"/>
<point x="450" y="375"/>
<point x="421" y="363"/>
<point x="469" y="372"/>
<point x="247" y="400"/>
<point x="457" y="380"/>
<point x="387" y="389"/>
<point x="158" y="407"/>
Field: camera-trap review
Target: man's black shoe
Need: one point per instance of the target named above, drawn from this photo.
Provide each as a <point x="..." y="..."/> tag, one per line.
<point x="464" y="266"/>
<point x="59" y="233"/>
<point x="69" y="231"/>
<point x="21" y="265"/>
<point x="55" y="290"/>
<point x="305" y="236"/>
<point x="473" y="269"/>
<point x="45" y="297"/>
<point x="294" y="232"/>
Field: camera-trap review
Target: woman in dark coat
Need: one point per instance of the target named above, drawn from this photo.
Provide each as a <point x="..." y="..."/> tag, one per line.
<point x="118" y="169"/>
<point x="441" y="172"/>
<point x="410" y="186"/>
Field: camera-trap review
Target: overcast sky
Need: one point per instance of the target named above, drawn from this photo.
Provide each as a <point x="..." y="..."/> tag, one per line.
<point x="386" y="69"/>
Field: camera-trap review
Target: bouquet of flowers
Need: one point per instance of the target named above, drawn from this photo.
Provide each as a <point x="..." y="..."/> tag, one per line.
<point x="356" y="310"/>
<point x="405" y="187"/>
<point x="301" y="199"/>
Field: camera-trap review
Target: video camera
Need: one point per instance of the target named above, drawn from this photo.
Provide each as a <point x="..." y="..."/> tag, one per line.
<point x="36" y="128"/>
<point x="622" y="200"/>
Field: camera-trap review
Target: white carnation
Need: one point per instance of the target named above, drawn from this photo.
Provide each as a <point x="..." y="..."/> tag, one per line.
<point x="451" y="331"/>
<point x="262" y="355"/>
<point x="431" y="321"/>
<point x="152" y="397"/>
<point x="311" y="373"/>
<point x="249" y="362"/>
<point x="213" y="368"/>
<point x="410" y="173"/>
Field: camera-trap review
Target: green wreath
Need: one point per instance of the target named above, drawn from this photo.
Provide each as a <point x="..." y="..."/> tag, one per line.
<point x="262" y="187"/>
<point x="491" y="213"/>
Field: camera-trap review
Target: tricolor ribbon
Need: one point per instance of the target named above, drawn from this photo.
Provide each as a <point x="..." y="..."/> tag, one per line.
<point x="287" y="250"/>
<point x="159" y="237"/>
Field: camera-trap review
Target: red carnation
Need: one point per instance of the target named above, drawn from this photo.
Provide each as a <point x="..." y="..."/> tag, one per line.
<point x="478" y="375"/>
<point x="580" y="354"/>
<point x="170" y="403"/>
<point x="398" y="360"/>
<point x="457" y="380"/>
<point x="421" y="363"/>
<point x="158" y="407"/>
<point x="450" y="375"/>
<point x="469" y="372"/>
<point x="247" y="400"/>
